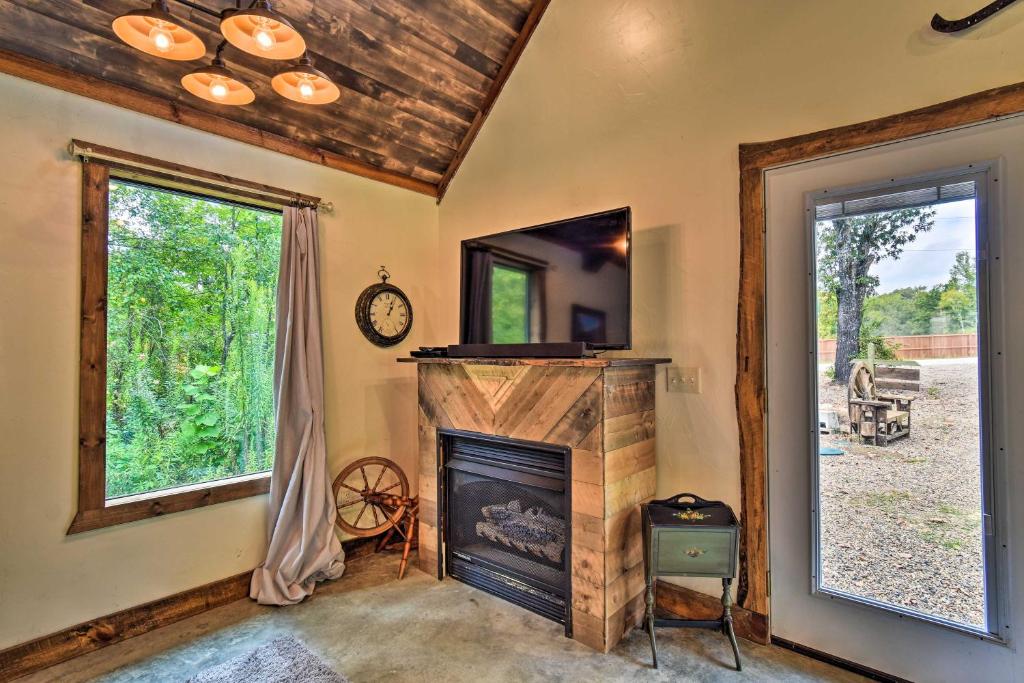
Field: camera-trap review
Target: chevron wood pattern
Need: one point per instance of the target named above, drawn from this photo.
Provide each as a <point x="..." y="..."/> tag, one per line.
<point x="605" y="414"/>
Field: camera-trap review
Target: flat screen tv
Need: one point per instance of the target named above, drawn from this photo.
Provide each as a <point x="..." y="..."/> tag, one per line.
<point x="567" y="281"/>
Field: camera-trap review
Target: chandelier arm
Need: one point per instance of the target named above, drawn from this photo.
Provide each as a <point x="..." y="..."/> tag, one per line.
<point x="199" y="8"/>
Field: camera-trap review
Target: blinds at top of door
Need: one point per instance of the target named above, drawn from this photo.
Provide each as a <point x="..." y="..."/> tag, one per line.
<point x="921" y="196"/>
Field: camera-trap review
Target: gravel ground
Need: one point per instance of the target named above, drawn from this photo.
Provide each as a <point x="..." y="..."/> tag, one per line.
<point x="902" y="524"/>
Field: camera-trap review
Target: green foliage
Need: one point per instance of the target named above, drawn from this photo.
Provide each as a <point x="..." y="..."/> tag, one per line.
<point x="911" y="311"/>
<point x="828" y="314"/>
<point x="190" y="339"/>
<point x="849" y="247"/>
<point x="510" y="305"/>
<point x="884" y="350"/>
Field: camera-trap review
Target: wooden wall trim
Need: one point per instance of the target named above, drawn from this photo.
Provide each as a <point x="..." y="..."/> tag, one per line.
<point x="751" y="397"/>
<point x="159" y="503"/>
<point x="532" y="19"/>
<point x="87" y="86"/>
<point x="92" y="372"/>
<point x="963" y="111"/>
<point x="34" y="655"/>
<point x="180" y="175"/>
<point x="685" y="603"/>
<point x="89" y="636"/>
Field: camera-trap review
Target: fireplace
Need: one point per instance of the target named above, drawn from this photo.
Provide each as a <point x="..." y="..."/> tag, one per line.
<point x="536" y="442"/>
<point x="506" y="520"/>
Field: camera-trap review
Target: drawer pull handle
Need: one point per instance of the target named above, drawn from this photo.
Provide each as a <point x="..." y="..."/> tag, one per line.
<point x="695" y="552"/>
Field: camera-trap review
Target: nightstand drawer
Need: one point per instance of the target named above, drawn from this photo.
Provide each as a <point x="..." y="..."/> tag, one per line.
<point x="694" y="553"/>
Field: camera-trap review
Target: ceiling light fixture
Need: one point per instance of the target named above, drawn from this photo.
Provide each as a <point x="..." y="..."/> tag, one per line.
<point x="156" y="32"/>
<point x="258" y="30"/>
<point x="305" y="84"/>
<point x="261" y="31"/>
<point x="216" y="83"/>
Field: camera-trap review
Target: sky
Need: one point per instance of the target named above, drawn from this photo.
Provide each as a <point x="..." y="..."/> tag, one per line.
<point x="927" y="260"/>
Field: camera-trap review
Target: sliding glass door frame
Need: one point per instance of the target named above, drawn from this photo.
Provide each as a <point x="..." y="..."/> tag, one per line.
<point x="990" y="349"/>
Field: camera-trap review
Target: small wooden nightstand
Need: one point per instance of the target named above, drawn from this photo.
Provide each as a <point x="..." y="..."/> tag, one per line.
<point x="695" y="538"/>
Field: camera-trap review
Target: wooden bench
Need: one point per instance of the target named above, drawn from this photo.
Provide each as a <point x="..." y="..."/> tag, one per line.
<point x="875" y="416"/>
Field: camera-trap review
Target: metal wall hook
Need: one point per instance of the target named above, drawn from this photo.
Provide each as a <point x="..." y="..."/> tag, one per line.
<point x="943" y="25"/>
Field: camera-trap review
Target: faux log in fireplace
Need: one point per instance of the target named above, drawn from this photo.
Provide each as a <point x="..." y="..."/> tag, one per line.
<point x="531" y="472"/>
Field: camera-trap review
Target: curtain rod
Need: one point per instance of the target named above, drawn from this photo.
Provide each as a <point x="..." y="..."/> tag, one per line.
<point x="88" y="151"/>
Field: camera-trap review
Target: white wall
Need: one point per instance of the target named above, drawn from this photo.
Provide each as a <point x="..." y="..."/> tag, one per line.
<point x="644" y="103"/>
<point x="49" y="581"/>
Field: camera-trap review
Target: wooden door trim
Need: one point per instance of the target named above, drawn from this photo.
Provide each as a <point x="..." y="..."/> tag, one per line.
<point x="755" y="159"/>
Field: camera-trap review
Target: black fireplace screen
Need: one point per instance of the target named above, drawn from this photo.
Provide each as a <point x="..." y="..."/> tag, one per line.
<point x="505" y="527"/>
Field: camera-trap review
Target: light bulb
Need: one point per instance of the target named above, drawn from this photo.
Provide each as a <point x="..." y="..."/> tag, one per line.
<point x="218" y="88"/>
<point x="264" y="36"/>
<point x="161" y="38"/>
<point x="306" y="89"/>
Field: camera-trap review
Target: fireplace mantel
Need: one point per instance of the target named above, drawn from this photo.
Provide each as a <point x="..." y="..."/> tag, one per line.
<point x="600" y="408"/>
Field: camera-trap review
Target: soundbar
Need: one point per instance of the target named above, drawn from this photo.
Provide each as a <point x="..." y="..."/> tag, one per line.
<point x="539" y="350"/>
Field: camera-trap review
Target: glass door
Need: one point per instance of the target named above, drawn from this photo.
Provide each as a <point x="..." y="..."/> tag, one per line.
<point x="891" y="381"/>
<point x="898" y="322"/>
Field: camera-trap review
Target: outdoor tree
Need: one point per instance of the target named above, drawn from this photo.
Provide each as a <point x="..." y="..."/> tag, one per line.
<point x="848" y="248"/>
<point x="959" y="299"/>
<point x="190" y="339"/>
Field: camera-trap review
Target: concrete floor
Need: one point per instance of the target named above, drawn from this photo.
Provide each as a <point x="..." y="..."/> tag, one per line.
<point x="371" y="627"/>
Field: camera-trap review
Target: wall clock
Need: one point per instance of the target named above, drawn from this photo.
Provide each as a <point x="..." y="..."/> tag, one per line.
<point x="383" y="312"/>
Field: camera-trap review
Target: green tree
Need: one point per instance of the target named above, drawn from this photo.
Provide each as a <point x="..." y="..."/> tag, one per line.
<point x="190" y="339"/>
<point x="848" y="248"/>
<point x="959" y="300"/>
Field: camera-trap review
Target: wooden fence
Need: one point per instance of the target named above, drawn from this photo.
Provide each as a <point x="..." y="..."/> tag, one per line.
<point x="918" y="347"/>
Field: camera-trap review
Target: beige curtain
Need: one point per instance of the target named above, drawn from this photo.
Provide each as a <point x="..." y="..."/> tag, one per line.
<point x="303" y="546"/>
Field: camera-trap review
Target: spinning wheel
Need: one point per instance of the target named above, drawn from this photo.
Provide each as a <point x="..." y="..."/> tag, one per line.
<point x="366" y="509"/>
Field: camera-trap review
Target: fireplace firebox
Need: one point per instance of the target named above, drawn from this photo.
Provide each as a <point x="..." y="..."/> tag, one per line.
<point x="506" y="520"/>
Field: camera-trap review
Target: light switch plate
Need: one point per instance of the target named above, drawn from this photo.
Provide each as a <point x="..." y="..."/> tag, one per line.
<point x="683" y="380"/>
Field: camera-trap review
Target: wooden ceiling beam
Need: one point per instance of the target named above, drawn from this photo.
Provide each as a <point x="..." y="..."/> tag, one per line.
<point x="532" y="19"/>
<point x="88" y="86"/>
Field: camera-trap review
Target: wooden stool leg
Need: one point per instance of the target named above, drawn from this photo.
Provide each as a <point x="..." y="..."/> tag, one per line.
<point x="410" y="532"/>
<point x="727" y="620"/>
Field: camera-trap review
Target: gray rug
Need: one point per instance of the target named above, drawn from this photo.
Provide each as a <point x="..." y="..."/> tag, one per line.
<point x="282" y="660"/>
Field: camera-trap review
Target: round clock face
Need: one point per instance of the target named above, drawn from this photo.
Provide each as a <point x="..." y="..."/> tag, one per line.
<point x="384" y="314"/>
<point x="389" y="314"/>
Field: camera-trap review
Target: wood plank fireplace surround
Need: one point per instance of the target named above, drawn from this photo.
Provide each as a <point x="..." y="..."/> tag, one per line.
<point x="578" y="437"/>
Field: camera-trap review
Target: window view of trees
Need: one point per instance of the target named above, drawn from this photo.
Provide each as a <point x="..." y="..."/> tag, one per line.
<point x="944" y="308"/>
<point x="190" y="339"/>
<point x="848" y="248"/>
<point x="510" y="305"/>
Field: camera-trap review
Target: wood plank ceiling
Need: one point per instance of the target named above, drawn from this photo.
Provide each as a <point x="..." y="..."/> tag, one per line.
<point x="417" y="77"/>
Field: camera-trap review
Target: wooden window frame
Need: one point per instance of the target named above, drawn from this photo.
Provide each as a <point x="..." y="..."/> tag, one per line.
<point x="99" y="165"/>
<point x="755" y="159"/>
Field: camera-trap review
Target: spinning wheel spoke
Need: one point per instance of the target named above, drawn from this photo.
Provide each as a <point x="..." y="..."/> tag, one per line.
<point x="366" y="482"/>
<point x="350" y="503"/>
<point x="380" y="476"/>
<point x="360" y="515"/>
<point x="350" y="488"/>
<point x="388" y="488"/>
<point x="373" y="508"/>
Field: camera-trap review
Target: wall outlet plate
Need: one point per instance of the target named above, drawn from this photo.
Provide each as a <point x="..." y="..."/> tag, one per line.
<point x="683" y="380"/>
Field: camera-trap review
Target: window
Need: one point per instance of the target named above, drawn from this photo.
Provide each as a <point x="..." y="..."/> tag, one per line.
<point x="510" y="305"/>
<point x="901" y="333"/>
<point x="191" y="285"/>
<point x="179" y="277"/>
